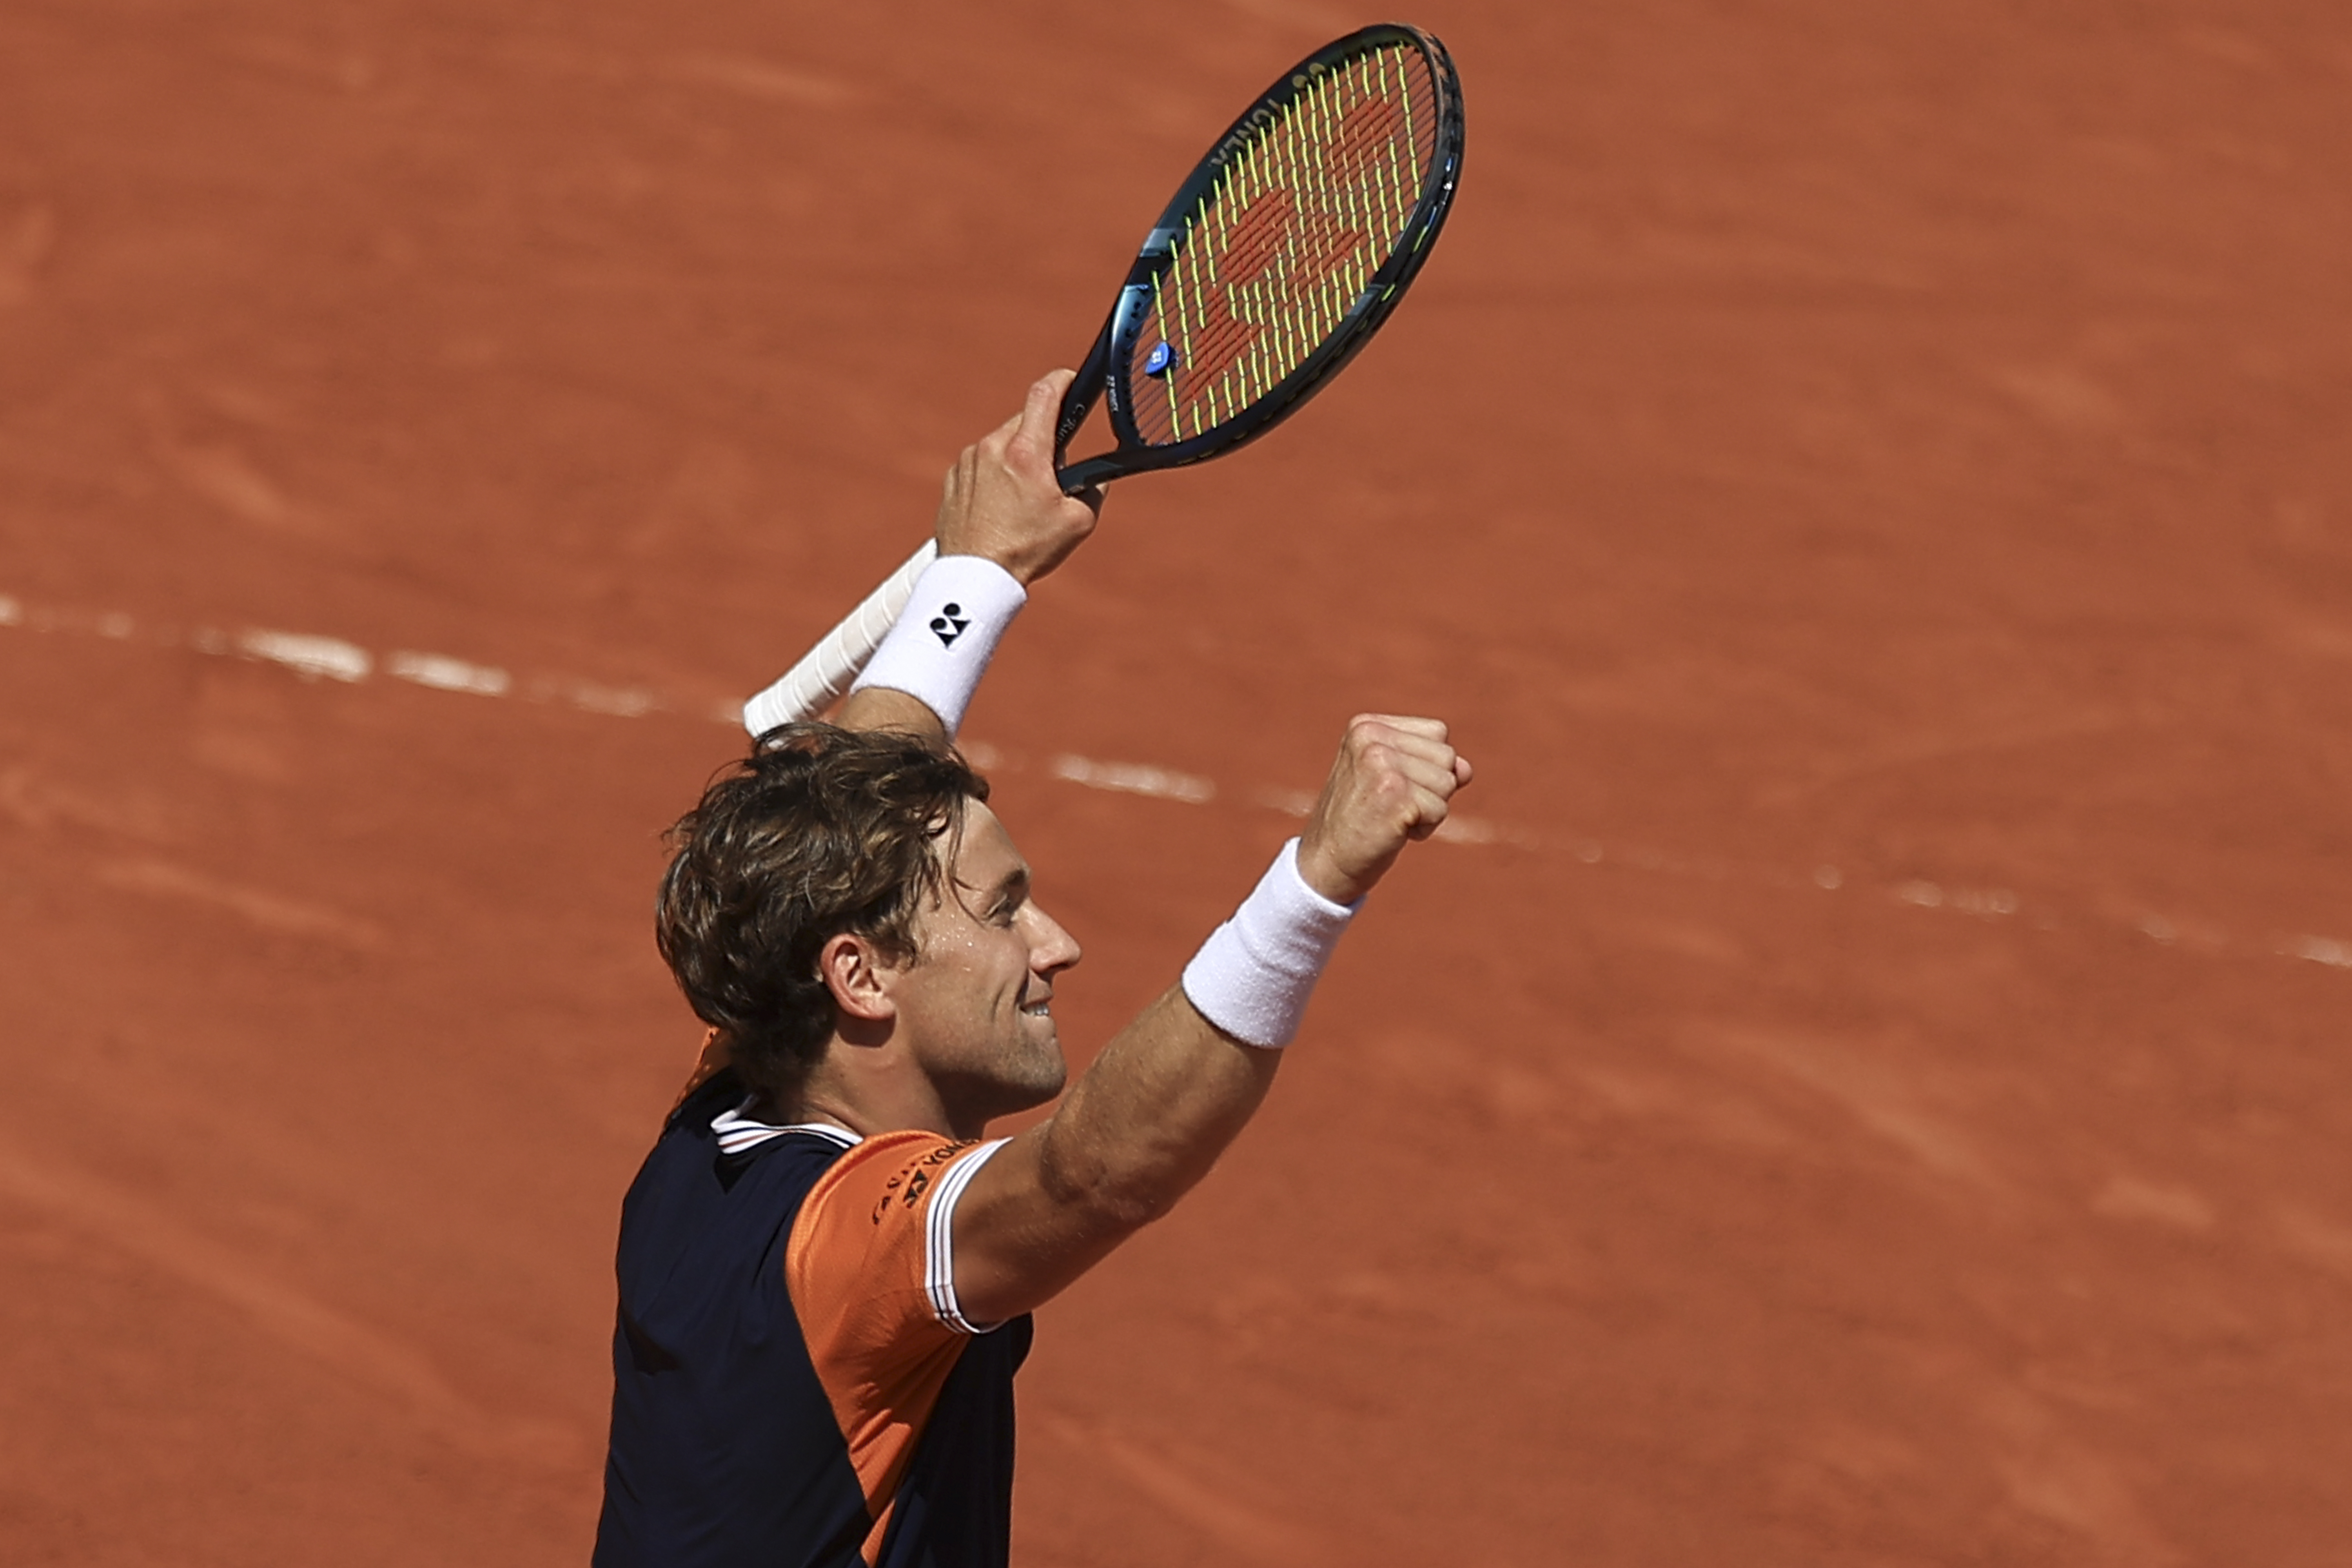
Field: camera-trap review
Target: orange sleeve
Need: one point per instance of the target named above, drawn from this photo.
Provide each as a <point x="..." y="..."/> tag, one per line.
<point x="871" y="1275"/>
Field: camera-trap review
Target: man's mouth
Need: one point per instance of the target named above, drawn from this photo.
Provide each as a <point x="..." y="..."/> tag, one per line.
<point x="1040" y="1008"/>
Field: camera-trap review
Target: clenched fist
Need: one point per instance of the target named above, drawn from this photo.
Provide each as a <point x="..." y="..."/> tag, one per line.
<point x="1392" y="782"/>
<point x="1002" y="500"/>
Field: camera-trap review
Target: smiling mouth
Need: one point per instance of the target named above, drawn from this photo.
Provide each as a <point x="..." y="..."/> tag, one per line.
<point x="1041" y="1008"/>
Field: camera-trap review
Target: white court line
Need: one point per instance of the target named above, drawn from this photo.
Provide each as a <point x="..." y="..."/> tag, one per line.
<point x="313" y="656"/>
<point x="1133" y="778"/>
<point x="2320" y="950"/>
<point x="443" y="673"/>
<point x="331" y="656"/>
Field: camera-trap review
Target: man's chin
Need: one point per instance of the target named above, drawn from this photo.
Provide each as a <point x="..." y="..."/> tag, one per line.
<point x="1048" y="1080"/>
<point x="1037" y="1083"/>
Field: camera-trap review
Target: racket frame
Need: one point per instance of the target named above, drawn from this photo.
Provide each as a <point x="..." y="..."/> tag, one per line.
<point x="1103" y="375"/>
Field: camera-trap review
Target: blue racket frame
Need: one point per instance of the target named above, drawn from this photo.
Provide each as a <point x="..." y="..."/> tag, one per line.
<point x="1104" y="375"/>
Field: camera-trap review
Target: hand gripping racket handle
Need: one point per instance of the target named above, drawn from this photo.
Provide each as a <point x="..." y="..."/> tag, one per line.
<point x="817" y="681"/>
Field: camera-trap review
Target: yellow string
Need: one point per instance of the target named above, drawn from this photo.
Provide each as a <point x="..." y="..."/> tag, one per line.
<point x="1346" y="200"/>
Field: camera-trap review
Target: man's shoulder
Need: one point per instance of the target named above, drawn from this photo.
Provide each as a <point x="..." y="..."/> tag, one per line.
<point x="905" y="1160"/>
<point x="877" y="1227"/>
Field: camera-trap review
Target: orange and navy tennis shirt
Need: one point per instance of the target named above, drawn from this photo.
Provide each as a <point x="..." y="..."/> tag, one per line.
<point x="794" y="1383"/>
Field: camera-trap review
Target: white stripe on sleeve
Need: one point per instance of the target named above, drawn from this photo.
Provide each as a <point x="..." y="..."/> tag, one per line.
<point x="938" y="1241"/>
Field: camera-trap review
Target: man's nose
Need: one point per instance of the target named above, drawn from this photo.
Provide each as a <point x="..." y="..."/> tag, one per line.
<point x="1052" y="948"/>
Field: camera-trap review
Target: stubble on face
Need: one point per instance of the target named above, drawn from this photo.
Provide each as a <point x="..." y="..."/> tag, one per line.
<point x="974" y="1000"/>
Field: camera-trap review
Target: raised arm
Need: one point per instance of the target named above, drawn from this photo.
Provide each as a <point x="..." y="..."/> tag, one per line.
<point x="1000" y="504"/>
<point x="1174" y="1087"/>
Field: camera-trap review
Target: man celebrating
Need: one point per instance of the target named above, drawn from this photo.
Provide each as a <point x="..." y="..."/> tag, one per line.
<point x="825" y="1271"/>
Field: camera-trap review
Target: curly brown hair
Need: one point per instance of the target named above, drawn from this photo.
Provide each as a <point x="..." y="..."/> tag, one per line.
<point x="819" y="831"/>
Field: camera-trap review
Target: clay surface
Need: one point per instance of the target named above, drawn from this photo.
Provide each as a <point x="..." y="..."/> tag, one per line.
<point x="1866" y="1082"/>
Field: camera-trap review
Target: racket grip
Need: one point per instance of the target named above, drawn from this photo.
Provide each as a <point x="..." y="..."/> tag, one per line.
<point x="818" y="681"/>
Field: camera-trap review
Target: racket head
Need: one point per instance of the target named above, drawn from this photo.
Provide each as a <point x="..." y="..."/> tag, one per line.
<point x="1279" y="257"/>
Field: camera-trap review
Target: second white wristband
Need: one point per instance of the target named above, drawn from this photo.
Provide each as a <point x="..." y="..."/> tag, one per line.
<point x="1254" y="975"/>
<point x="944" y="639"/>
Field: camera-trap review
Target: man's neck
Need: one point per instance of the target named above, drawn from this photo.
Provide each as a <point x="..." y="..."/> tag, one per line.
<point x="868" y="1102"/>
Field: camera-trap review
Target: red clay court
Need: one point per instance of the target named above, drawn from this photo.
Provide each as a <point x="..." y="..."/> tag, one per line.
<point x="1870" y="486"/>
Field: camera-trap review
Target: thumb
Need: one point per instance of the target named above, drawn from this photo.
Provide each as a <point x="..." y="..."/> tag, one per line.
<point x="1043" y="410"/>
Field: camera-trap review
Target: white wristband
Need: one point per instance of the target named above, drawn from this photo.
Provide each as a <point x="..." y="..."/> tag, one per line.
<point x="947" y="634"/>
<point x="1253" y="976"/>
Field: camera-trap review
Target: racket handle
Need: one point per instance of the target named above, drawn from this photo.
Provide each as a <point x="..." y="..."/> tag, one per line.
<point x="817" y="681"/>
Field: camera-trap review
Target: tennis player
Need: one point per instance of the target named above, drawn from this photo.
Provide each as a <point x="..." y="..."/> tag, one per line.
<point x="826" y="1266"/>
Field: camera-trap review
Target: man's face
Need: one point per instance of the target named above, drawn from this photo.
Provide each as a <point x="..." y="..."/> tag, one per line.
<point x="974" y="1003"/>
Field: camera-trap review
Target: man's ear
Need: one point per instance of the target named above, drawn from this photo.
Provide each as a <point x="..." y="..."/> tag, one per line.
<point x="853" y="970"/>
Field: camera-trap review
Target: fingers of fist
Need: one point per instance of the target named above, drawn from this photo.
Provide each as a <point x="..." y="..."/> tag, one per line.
<point x="1392" y="783"/>
<point x="1408" y="768"/>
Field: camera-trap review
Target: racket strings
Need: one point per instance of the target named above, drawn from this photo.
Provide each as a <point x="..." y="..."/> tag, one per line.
<point x="1283" y="244"/>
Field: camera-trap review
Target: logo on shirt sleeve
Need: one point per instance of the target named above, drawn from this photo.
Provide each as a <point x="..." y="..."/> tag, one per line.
<point x="908" y="1187"/>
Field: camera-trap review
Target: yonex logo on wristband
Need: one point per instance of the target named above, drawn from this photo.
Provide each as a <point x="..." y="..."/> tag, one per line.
<point x="941" y="646"/>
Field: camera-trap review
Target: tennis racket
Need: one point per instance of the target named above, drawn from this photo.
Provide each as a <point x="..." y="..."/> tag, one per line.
<point x="1271" y="268"/>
